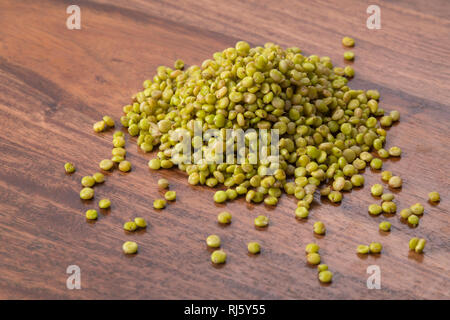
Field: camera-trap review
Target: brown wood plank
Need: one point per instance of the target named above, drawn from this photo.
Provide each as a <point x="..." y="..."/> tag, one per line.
<point x="55" y="83"/>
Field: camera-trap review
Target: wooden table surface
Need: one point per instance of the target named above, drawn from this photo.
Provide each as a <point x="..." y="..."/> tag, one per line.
<point x="55" y="83"/>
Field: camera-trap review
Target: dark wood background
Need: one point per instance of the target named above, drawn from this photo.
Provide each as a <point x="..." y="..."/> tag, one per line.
<point x="55" y="83"/>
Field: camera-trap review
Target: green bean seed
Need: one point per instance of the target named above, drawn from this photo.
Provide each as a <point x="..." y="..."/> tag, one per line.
<point x="375" y="209"/>
<point x="386" y="175"/>
<point x="108" y="121"/>
<point x="389" y="207"/>
<point x="377" y="190"/>
<point x="420" y="245"/>
<point x="86" y="193"/>
<point x="224" y="217"/>
<point x="130" y="247"/>
<point x="319" y="227"/>
<point x="417" y="209"/>
<point x="69" y="167"/>
<point x="104" y="203"/>
<point x="325" y="276"/>
<point x="405" y="213"/>
<point x="218" y="257"/>
<point x="106" y="164"/>
<point x="213" y="241"/>
<point x="98" y="177"/>
<point x="375" y="247"/>
<point x="159" y="204"/>
<point x="99" y="126"/>
<point x="301" y="212"/>
<point x="220" y="196"/>
<point x="434" y="196"/>
<point x="253" y="247"/>
<point x="140" y="222"/>
<point x="154" y="164"/>
<point x="335" y="196"/>
<point x="87" y="181"/>
<point x="376" y="164"/>
<point x="395" y="151"/>
<point x="261" y="221"/>
<point x="348" y="42"/>
<point x="170" y="195"/>
<point x="349" y="55"/>
<point x="312" y="248"/>
<point x="395" y="182"/>
<point x="91" y="214"/>
<point x="413" y="220"/>
<point x="163" y="183"/>
<point x="313" y="258"/>
<point x="125" y="166"/>
<point x="385" y="226"/>
<point x="362" y="249"/>
<point x="322" y="267"/>
<point x="130" y="226"/>
<point x="387" y="197"/>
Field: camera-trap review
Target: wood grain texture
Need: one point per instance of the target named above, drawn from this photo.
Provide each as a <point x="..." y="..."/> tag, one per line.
<point x="55" y="83"/>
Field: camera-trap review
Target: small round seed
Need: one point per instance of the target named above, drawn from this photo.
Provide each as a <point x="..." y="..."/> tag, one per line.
<point x="301" y="212"/>
<point x="108" y="121"/>
<point x="362" y="249"/>
<point x="213" y="241"/>
<point x="387" y="197"/>
<point x="130" y="226"/>
<point x="420" y="245"/>
<point x="389" y="207"/>
<point x="104" y="203"/>
<point x="159" y="204"/>
<point x="413" y="220"/>
<point x="335" y="196"/>
<point x="377" y="190"/>
<point x="375" y="247"/>
<point x="130" y="247"/>
<point x="385" y="226"/>
<point x="218" y="257"/>
<point x="98" y="177"/>
<point x="140" y="222"/>
<point x="163" y="183"/>
<point x="395" y="182"/>
<point x="87" y="181"/>
<point x="405" y="213"/>
<point x="312" y="248"/>
<point x="99" y="126"/>
<point x="417" y="209"/>
<point x="69" y="167"/>
<point x="413" y="243"/>
<point x="154" y="164"/>
<point x="376" y="164"/>
<point x="220" y="196"/>
<point x="170" y="195"/>
<point x="125" y="166"/>
<point x="434" y="196"/>
<point x="349" y="55"/>
<point x="395" y="152"/>
<point x="375" y="209"/>
<point x="106" y="164"/>
<point x="322" y="267"/>
<point x="224" y="217"/>
<point x="319" y="227"/>
<point x="325" y="276"/>
<point x="386" y="175"/>
<point x="253" y="247"/>
<point x="86" y="193"/>
<point x="91" y="214"/>
<point x="261" y="221"/>
<point x="348" y="42"/>
<point x="313" y="258"/>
